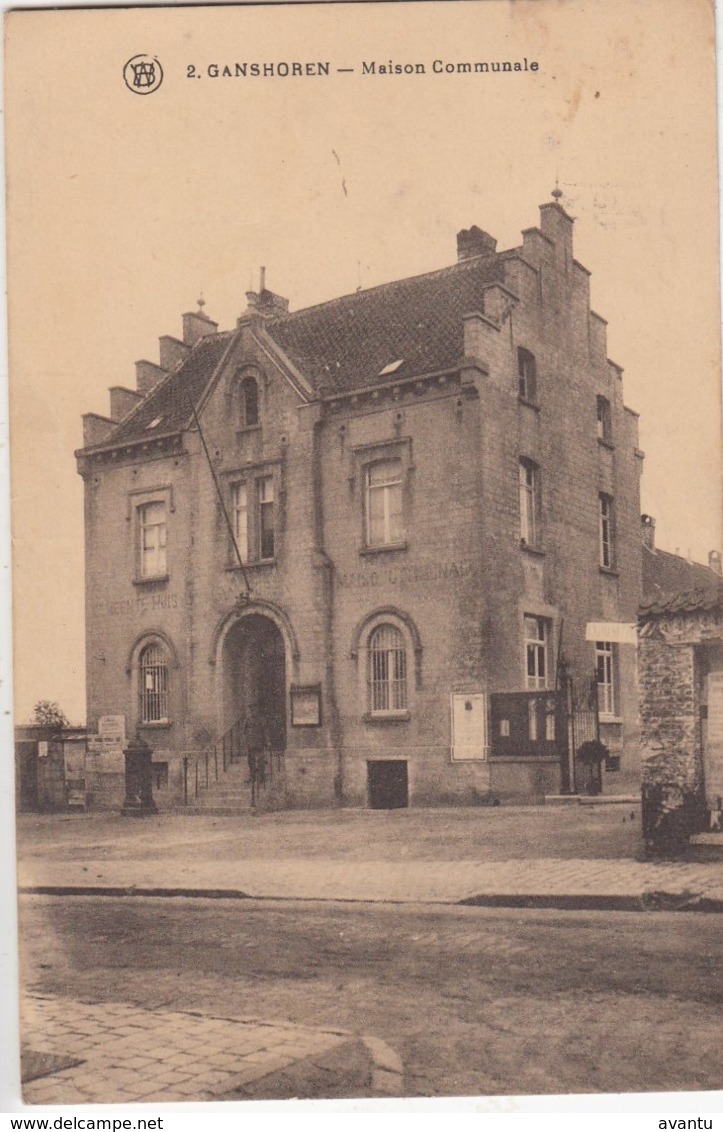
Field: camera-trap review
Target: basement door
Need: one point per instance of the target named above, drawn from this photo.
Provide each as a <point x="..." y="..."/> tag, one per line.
<point x="387" y="784"/>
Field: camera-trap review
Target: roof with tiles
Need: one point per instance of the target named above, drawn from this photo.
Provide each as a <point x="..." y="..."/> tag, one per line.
<point x="667" y="576"/>
<point x="409" y="327"/>
<point x="345" y="344"/>
<point x="697" y="600"/>
<point x="168" y="406"/>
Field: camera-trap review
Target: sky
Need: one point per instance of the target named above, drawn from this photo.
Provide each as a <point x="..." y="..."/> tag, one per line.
<point x="123" y="209"/>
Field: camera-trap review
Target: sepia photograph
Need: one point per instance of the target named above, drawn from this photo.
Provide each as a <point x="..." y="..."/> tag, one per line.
<point x="367" y="597"/>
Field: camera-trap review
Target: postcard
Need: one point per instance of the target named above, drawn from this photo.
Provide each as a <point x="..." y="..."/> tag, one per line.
<point x="365" y="415"/>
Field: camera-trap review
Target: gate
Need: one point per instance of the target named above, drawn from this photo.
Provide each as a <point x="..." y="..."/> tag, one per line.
<point x="584" y="716"/>
<point x="551" y="724"/>
<point x="532" y="724"/>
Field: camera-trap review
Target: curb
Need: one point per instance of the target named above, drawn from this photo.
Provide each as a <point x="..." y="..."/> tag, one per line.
<point x="132" y="890"/>
<point x="647" y="901"/>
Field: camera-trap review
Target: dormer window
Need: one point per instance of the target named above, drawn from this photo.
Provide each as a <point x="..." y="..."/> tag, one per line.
<point x="249" y="402"/>
<point x="527" y="375"/>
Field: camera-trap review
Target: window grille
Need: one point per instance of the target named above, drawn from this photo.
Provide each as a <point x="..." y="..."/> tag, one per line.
<point x="387" y="670"/>
<point x="152" y="539"/>
<point x="154" y="685"/>
<point x="384" y="503"/>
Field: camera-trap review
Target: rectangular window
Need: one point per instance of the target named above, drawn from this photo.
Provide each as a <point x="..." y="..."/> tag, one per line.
<point x="536" y="652"/>
<point x="530" y="526"/>
<point x="266" y="514"/>
<point x="605" y="673"/>
<point x="384" y="503"/>
<point x="152" y="539"/>
<point x="241" y="520"/>
<point x="604" y="428"/>
<point x="607" y="532"/>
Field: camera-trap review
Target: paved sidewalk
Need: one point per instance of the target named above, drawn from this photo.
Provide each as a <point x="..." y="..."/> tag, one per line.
<point x="404" y="882"/>
<point x="472" y="857"/>
<point x="110" y="1053"/>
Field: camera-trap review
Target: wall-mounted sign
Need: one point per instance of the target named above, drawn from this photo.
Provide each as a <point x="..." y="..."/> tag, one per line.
<point x="469" y="726"/>
<point x="306" y="705"/>
<point x="616" y="632"/>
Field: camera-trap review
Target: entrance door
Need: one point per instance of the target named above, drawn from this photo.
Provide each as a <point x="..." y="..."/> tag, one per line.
<point x="387" y="782"/>
<point x="255" y="669"/>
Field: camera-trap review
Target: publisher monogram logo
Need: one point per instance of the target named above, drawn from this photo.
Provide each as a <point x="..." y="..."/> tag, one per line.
<point x="143" y="74"/>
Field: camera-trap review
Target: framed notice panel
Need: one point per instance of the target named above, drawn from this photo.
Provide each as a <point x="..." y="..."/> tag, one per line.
<point x="306" y="705"/>
<point x="469" y="727"/>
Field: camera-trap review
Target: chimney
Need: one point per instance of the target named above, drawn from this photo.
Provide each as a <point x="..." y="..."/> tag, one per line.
<point x="197" y="325"/>
<point x="472" y="242"/>
<point x="647" y="523"/>
<point x="714" y="562"/>
<point x="265" y="303"/>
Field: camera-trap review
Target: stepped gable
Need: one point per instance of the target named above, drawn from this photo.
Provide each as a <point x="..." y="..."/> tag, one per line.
<point x="173" y="397"/>
<point x="345" y="344"/>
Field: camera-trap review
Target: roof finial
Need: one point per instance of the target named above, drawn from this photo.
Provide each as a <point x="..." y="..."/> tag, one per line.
<point x="201" y="303"/>
<point x="557" y="191"/>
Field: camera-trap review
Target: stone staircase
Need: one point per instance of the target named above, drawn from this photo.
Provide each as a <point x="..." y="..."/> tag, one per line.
<point x="229" y="794"/>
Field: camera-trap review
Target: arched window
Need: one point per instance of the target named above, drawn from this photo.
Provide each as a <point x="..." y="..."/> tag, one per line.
<point x="387" y="674"/>
<point x="249" y="402"/>
<point x="153" y="684"/>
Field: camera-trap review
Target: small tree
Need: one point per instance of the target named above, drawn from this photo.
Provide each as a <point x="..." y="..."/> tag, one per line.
<point x="49" y="714"/>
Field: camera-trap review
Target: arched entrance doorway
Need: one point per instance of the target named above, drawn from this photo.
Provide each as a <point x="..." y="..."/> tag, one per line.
<point x="254" y="664"/>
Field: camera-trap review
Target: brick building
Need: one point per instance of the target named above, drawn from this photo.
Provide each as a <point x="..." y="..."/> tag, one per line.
<point x="433" y="486"/>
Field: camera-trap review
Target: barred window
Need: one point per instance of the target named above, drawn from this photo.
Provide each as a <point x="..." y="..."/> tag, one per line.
<point x="387" y="670"/>
<point x="153" y="684"/>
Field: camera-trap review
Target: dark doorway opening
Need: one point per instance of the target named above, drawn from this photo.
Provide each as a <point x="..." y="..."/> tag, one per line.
<point x="255" y="669"/>
<point x="388" y="785"/>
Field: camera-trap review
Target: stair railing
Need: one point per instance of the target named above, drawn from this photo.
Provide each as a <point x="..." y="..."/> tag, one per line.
<point x="199" y="771"/>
